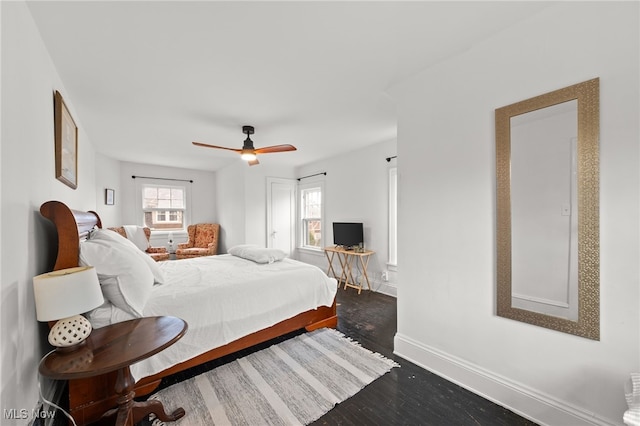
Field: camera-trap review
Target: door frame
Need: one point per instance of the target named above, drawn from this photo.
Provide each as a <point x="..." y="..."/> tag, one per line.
<point x="292" y="183"/>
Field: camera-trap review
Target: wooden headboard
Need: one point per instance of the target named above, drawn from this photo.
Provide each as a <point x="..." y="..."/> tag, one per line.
<point x="73" y="226"/>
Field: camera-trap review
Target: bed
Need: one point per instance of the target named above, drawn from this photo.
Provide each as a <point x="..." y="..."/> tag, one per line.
<point x="277" y="298"/>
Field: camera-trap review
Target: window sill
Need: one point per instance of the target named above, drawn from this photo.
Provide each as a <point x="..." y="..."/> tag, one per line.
<point x="313" y="251"/>
<point x="178" y="232"/>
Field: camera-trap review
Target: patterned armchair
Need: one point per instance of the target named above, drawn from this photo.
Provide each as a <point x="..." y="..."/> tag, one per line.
<point x="156" y="253"/>
<point x="203" y="241"/>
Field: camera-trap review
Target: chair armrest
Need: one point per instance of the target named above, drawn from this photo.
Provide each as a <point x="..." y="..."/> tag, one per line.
<point x="213" y="248"/>
<point x="183" y="245"/>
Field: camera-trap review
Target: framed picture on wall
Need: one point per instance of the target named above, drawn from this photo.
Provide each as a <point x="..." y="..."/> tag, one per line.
<point x="109" y="197"/>
<point x="66" y="141"/>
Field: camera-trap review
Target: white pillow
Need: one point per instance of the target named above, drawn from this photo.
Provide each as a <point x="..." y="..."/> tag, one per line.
<point x="112" y="236"/>
<point x="125" y="279"/>
<point x="257" y="254"/>
<point x="136" y="235"/>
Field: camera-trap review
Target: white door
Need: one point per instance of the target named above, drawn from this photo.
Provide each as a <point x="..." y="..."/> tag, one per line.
<point x="281" y="207"/>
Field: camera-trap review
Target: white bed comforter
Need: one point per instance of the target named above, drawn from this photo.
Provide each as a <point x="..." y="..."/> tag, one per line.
<point x="223" y="298"/>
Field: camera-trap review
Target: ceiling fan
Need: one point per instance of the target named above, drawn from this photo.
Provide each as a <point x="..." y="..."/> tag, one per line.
<point x="248" y="152"/>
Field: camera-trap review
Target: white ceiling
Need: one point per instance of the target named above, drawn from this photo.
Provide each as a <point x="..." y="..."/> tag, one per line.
<point x="147" y="78"/>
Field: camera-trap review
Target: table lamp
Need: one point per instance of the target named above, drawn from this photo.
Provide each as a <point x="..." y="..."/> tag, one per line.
<point x="170" y="236"/>
<point x="62" y="296"/>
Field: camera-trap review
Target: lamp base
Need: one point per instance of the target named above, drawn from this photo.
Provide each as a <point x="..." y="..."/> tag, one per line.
<point x="74" y="348"/>
<point x="70" y="332"/>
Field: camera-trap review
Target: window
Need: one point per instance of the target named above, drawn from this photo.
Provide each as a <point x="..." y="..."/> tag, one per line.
<point x="164" y="206"/>
<point x="393" y="216"/>
<point x="311" y="208"/>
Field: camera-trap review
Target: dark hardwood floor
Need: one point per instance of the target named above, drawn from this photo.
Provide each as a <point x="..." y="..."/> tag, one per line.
<point x="408" y="395"/>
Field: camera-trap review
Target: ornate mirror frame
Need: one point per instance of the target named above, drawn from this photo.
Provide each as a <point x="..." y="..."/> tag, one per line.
<point x="587" y="95"/>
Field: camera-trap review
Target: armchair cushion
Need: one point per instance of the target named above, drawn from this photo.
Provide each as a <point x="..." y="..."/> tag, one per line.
<point x="193" y="252"/>
<point x="206" y="235"/>
<point x="203" y="241"/>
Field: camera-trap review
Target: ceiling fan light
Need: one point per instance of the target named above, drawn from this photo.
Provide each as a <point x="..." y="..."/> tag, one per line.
<point x="248" y="155"/>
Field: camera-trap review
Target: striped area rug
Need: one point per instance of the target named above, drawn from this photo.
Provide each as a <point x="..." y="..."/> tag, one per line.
<point x="292" y="383"/>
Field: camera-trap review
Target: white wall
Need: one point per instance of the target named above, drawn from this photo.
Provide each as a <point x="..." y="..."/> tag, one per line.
<point x="231" y="207"/>
<point x="446" y="304"/>
<point x="356" y="190"/>
<point x="108" y="176"/>
<point x="242" y="198"/>
<point x="29" y="80"/>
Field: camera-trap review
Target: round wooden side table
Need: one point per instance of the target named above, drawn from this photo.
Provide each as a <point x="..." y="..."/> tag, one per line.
<point x="115" y="348"/>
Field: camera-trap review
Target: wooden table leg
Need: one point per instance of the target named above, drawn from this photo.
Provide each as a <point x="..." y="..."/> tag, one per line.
<point x="330" y="271"/>
<point x="130" y="412"/>
<point x="364" y="264"/>
<point x="349" y="274"/>
<point x="343" y="265"/>
<point x="353" y="279"/>
<point x="143" y="409"/>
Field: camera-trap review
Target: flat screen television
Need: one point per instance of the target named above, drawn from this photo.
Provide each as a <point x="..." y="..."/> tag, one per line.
<point x="347" y="234"/>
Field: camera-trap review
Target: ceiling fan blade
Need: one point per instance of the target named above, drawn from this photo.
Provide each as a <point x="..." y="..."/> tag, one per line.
<point x="275" y="148"/>
<point x="215" y="146"/>
<point x="248" y="152"/>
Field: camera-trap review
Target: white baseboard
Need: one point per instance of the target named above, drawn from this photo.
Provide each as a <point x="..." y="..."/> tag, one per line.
<point x="526" y="402"/>
<point x="384" y="288"/>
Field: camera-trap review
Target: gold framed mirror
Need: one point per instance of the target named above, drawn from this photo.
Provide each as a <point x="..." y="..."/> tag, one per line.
<point x="547" y="210"/>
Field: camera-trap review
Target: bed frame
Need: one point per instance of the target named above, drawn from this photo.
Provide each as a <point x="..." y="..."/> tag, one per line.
<point x="90" y="398"/>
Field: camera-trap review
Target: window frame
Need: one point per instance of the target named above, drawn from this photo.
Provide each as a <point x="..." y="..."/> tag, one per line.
<point x="141" y="184"/>
<point x="300" y="231"/>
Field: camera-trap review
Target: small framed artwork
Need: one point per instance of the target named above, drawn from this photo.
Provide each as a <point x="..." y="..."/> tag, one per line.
<point x="109" y="197"/>
<point x="66" y="140"/>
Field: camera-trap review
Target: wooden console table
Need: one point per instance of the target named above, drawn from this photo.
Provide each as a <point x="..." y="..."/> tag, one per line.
<point x="115" y="348"/>
<point x="346" y="257"/>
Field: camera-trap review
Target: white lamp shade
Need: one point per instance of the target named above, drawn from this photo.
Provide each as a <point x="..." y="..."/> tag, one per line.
<point x="67" y="292"/>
